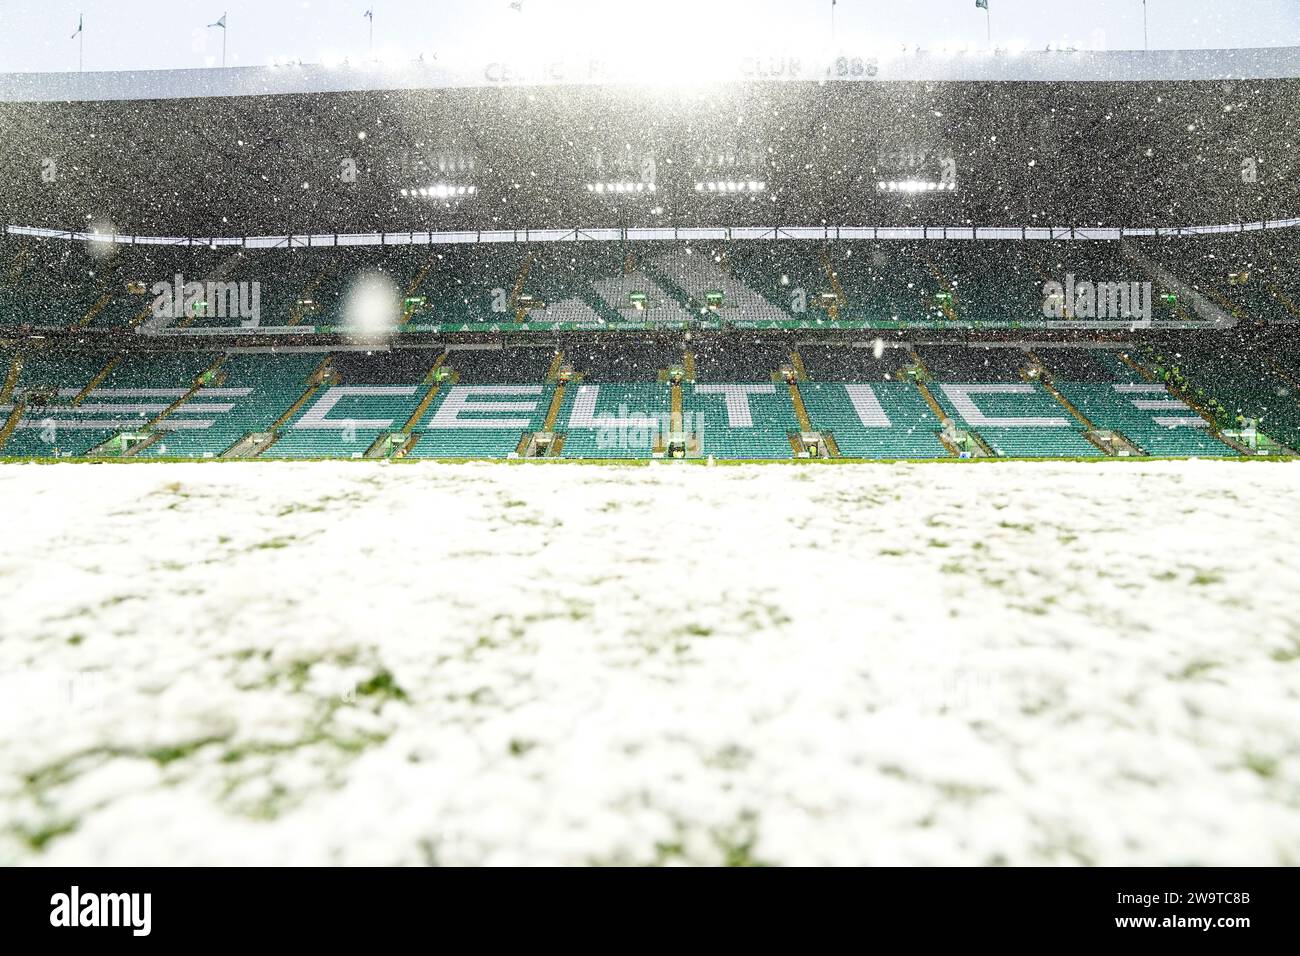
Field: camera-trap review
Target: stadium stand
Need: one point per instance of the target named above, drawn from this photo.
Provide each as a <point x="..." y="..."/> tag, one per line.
<point x="45" y="284"/>
<point x="343" y="421"/>
<point x="1246" y="386"/>
<point x="614" y="421"/>
<point x="481" y="421"/>
<point x="697" y="275"/>
<point x="973" y="364"/>
<point x="853" y="362"/>
<point x="609" y="361"/>
<point x="1146" y="414"/>
<point x="945" y="330"/>
<point x="271" y="383"/>
<point x="785" y="275"/>
<point x="1017" y="420"/>
<point x="874" y="420"/>
<point x="389" y="367"/>
<point x="1083" y="365"/>
<point x="634" y="295"/>
<point x="742" y="420"/>
<point x="53" y="284"/>
<point x="1254" y="277"/>
<point x="199" y="403"/>
<point x="994" y="283"/>
<point x="500" y="366"/>
<point x="734" y="361"/>
<point x="562" y="281"/>
<point x="882" y="284"/>
<point x="47" y="390"/>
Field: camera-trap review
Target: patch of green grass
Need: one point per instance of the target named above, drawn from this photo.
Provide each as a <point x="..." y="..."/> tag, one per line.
<point x="1285" y="655"/>
<point x="740" y="854"/>
<point x="298" y="672"/>
<point x="173" y="752"/>
<point x="760" y="616"/>
<point x="1261" y="764"/>
<point x="38" y="839"/>
<point x="355" y="745"/>
<point x="1038" y="610"/>
<point x="1195" y="669"/>
<point x="297" y="507"/>
<point x="381" y="685"/>
<point x="665" y="852"/>
<point x="730" y="757"/>
<point x="273" y="544"/>
<point x="959" y="792"/>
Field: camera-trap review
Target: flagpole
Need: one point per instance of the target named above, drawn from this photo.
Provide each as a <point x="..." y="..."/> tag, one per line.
<point x="1144" y="25"/>
<point x="81" y="49"/>
<point x="223" y="22"/>
<point x="988" y="26"/>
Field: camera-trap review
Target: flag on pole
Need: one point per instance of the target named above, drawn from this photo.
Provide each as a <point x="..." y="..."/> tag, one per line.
<point x="220" y="23"/>
<point x="981" y="4"/>
<point x="370" y="14"/>
<point x="80" y="25"/>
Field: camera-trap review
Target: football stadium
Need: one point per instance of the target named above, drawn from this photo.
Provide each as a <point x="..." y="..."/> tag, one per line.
<point x="878" y="456"/>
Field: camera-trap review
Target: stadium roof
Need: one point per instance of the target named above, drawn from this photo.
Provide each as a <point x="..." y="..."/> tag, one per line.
<point x="913" y="65"/>
<point x="563" y="156"/>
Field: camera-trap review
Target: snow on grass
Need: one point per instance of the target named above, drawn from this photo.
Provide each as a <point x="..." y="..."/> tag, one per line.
<point x="361" y="663"/>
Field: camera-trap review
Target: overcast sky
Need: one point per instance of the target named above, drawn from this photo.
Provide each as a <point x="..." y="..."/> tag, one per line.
<point x="36" y="35"/>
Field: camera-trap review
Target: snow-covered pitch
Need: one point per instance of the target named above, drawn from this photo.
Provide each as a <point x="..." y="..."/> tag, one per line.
<point x="488" y="663"/>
